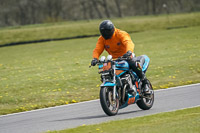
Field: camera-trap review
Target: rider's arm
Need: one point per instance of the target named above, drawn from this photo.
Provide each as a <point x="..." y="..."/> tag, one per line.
<point x="99" y="48"/>
<point x="126" y="40"/>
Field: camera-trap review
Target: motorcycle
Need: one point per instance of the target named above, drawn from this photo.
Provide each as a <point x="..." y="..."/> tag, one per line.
<point x="117" y="79"/>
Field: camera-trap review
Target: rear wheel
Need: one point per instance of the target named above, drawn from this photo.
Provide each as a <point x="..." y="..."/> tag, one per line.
<point x="146" y="102"/>
<point x="109" y="106"/>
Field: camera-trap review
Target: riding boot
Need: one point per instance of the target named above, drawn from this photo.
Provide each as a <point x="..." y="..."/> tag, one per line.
<point x="145" y="85"/>
<point x="136" y="67"/>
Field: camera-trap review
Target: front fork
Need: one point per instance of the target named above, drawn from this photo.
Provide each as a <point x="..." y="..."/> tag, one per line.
<point x="114" y="81"/>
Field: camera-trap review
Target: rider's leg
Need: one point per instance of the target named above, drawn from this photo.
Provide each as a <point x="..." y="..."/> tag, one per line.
<point x="136" y="65"/>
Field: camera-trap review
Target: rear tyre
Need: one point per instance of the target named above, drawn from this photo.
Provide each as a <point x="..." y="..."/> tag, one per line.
<point x="146" y="102"/>
<point x="109" y="106"/>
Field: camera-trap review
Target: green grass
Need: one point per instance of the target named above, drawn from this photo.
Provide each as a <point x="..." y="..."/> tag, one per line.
<point x="54" y="73"/>
<point x="181" y="121"/>
<point x="71" y="29"/>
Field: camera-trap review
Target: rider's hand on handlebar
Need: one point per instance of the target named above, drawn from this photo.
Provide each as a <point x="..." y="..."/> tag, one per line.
<point x="127" y="54"/>
<point x="94" y="62"/>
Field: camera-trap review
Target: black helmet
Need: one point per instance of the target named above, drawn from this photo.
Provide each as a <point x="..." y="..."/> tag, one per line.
<point x="106" y="29"/>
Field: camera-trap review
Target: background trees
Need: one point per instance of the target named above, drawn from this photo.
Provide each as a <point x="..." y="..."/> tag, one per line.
<point x="22" y="12"/>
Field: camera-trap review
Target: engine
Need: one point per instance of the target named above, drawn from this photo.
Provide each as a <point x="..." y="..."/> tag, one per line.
<point x="126" y="79"/>
<point x="127" y="82"/>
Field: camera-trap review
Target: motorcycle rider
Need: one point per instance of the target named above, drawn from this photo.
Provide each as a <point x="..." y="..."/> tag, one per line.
<point x="118" y="43"/>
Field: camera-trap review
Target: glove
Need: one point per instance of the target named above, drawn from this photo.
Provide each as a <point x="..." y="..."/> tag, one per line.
<point x="127" y="54"/>
<point x="94" y="62"/>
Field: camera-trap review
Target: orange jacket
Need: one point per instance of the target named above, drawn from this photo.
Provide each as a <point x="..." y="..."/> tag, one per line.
<point x="117" y="46"/>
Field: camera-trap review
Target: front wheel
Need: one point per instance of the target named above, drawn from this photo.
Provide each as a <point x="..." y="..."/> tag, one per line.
<point x="146" y="102"/>
<point x="109" y="106"/>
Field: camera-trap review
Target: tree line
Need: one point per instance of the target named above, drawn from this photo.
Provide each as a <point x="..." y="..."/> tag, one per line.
<point x="23" y="12"/>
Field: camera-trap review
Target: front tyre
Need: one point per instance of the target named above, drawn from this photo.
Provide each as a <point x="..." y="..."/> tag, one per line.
<point x="146" y="102"/>
<point x="109" y="106"/>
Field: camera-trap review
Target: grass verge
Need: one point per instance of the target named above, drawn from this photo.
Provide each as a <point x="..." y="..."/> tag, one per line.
<point x="181" y="121"/>
<point x="48" y="74"/>
<point x="80" y="28"/>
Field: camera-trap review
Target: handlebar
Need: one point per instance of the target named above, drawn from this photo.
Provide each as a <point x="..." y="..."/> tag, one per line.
<point x="99" y="62"/>
<point x="118" y="59"/>
<point x="123" y="58"/>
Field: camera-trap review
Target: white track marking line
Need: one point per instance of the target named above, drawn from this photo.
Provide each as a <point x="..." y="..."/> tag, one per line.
<point x="89" y="101"/>
<point x="179" y="87"/>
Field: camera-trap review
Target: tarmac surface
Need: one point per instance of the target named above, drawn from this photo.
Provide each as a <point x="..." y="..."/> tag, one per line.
<point x="73" y="115"/>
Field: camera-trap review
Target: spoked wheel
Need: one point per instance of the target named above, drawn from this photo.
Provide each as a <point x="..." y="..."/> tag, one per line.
<point x="110" y="106"/>
<point x="146" y="102"/>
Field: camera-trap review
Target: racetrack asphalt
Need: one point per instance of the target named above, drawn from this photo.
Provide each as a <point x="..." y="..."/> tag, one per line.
<point x="73" y="115"/>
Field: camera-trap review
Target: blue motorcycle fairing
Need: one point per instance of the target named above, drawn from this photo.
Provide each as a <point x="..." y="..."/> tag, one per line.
<point x="130" y="96"/>
<point x="100" y="66"/>
<point x="108" y="84"/>
<point x="122" y="65"/>
<point x="146" y="63"/>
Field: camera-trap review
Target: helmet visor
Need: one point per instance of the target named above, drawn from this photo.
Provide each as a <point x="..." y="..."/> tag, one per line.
<point x="107" y="33"/>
